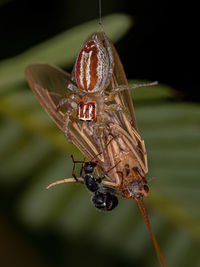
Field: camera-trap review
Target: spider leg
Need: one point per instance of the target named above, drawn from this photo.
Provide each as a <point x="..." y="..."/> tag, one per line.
<point x="116" y="107"/>
<point x="70" y="113"/>
<point x="131" y="87"/>
<point x="71" y="99"/>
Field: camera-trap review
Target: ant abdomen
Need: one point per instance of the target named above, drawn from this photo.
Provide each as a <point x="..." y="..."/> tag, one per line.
<point x="104" y="201"/>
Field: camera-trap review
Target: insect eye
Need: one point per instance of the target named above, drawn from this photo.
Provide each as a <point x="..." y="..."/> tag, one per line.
<point x="126" y="194"/>
<point x="146" y="188"/>
<point x="80" y="105"/>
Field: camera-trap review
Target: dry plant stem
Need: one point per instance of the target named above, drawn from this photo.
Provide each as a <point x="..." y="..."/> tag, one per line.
<point x="72" y="180"/>
<point x="143" y="212"/>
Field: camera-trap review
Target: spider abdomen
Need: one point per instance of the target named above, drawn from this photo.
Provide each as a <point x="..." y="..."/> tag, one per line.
<point x="92" y="67"/>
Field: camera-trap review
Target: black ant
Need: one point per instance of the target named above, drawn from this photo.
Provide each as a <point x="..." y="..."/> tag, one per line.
<point x="104" y="197"/>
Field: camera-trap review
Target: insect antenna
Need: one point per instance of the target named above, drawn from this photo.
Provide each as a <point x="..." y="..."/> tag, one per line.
<point x="65" y="180"/>
<point x="144" y="214"/>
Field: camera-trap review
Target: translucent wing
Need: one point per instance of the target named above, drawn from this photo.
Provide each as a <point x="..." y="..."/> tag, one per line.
<point x="126" y="126"/>
<point x="50" y="84"/>
<point x="119" y="78"/>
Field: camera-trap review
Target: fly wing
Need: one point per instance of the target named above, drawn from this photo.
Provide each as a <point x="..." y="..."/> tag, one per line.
<point x="50" y="85"/>
<point x="125" y="122"/>
<point x="119" y="78"/>
<point x="124" y="98"/>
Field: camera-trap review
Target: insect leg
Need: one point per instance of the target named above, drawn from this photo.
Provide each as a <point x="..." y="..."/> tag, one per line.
<point x="73" y="170"/>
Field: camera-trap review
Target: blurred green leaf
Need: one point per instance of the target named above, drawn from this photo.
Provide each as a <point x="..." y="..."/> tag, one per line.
<point x="4" y="2"/>
<point x="60" y="50"/>
<point x="171" y="134"/>
<point x="34" y="151"/>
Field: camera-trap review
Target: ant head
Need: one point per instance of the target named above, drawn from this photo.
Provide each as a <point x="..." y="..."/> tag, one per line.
<point x="104" y="201"/>
<point x="89" y="167"/>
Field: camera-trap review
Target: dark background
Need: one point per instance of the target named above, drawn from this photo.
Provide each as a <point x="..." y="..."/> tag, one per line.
<point x="162" y="45"/>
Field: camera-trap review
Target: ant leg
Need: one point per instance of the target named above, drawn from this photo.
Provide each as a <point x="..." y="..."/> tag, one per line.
<point x="73" y="170"/>
<point x="77" y="161"/>
<point x="67" y="180"/>
<point x="81" y="171"/>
